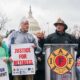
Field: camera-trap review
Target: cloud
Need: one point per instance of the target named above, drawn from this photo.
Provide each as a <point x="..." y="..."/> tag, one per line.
<point x="43" y="10"/>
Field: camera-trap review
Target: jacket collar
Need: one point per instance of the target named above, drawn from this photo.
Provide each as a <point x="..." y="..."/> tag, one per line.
<point x="60" y="33"/>
<point x="22" y="31"/>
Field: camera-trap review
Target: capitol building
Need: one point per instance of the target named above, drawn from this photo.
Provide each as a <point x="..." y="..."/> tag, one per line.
<point x="33" y="24"/>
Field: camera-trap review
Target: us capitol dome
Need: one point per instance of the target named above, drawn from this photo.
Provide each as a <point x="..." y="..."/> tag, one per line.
<point x="33" y="24"/>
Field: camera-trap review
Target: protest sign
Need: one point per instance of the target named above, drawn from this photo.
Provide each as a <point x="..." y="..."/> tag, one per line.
<point x="3" y="70"/>
<point x="23" y="59"/>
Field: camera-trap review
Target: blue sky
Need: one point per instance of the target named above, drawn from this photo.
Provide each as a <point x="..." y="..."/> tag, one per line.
<point x="43" y="11"/>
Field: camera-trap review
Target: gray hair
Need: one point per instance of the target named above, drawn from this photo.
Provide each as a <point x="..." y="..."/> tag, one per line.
<point x="24" y="19"/>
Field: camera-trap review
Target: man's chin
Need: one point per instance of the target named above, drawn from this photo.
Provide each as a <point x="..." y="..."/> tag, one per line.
<point x="25" y="31"/>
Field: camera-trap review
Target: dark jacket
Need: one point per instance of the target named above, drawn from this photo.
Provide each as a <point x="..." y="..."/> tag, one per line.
<point x="55" y="38"/>
<point x="78" y="50"/>
<point x="63" y="38"/>
<point x="41" y="64"/>
<point x="60" y="38"/>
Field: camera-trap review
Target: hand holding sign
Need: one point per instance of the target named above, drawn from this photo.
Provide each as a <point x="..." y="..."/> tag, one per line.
<point x="10" y="59"/>
<point x="4" y="59"/>
<point x="33" y="46"/>
<point x="23" y="59"/>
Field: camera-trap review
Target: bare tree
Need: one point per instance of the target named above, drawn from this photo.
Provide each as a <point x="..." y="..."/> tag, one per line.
<point x="3" y="21"/>
<point x="76" y="31"/>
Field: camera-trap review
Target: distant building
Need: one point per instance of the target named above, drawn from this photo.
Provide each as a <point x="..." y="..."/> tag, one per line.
<point x="34" y="26"/>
